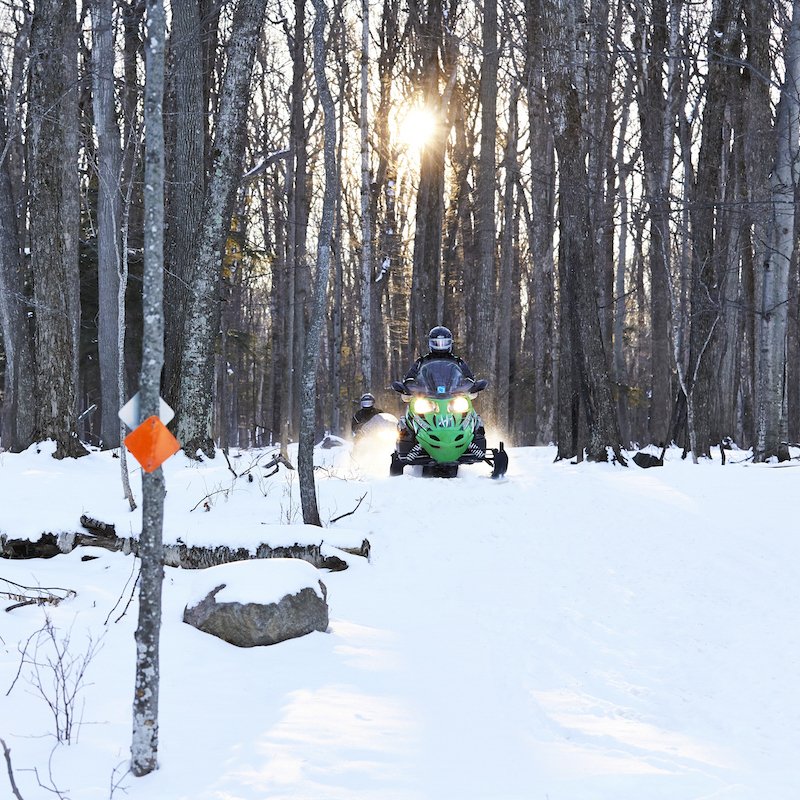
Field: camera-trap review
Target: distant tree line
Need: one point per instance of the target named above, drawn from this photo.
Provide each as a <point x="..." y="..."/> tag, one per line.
<point x="603" y="212"/>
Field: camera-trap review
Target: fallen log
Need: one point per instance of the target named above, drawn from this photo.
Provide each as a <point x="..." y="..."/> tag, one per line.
<point x="179" y="554"/>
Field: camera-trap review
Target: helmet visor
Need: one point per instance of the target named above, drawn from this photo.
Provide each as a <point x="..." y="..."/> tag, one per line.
<point x="440" y="344"/>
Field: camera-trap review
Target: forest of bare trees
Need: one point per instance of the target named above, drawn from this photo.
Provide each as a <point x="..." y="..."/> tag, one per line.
<point x="597" y="198"/>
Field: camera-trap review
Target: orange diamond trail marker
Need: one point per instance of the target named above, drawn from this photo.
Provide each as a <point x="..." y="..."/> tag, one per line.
<point x="151" y="444"/>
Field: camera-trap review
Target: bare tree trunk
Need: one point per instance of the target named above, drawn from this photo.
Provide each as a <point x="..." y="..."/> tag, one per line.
<point x="339" y="416"/>
<point x="771" y="363"/>
<point x="122" y="287"/>
<point x="55" y="220"/>
<point x="305" y="460"/>
<point x="580" y="323"/>
<point x="599" y="121"/>
<point x="132" y="14"/>
<point x="186" y="167"/>
<point x="456" y="285"/>
<point x="17" y="423"/>
<point x="505" y="299"/>
<point x="657" y="119"/>
<point x="621" y="379"/>
<point x="202" y="320"/>
<point x="109" y="171"/>
<point x="426" y="275"/>
<point x="144" y="743"/>
<point x="366" y="205"/>
<point x="758" y="145"/>
<point x="395" y="320"/>
<point x="17" y="416"/>
<point x="708" y="256"/>
<point x="483" y="353"/>
<point x="541" y="230"/>
<point x="296" y="268"/>
<point x="679" y="296"/>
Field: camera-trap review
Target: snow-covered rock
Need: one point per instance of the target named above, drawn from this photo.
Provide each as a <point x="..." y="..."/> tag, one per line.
<point x="260" y="602"/>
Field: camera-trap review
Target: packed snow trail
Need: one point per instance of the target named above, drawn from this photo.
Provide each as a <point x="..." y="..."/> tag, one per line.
<point x="582" y="631"/>
<point x="576" y="632"/>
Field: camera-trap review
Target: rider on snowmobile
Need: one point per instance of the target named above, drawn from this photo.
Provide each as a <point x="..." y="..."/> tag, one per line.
<point x="440" y="346"/>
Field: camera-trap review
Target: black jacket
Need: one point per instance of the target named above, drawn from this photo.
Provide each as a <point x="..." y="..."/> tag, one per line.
<point x="363" y="416"/>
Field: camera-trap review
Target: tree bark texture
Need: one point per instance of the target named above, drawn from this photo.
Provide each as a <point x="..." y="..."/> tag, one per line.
<point x="186" y="166"/>
<point x="144" y="741"/>
<point x="54" y="201"/>
<point x="537" y="367"/>
<point x="202" y="320"/>
<point x="17" y="423"/>
<point x="483" y="353"/>
<point x="366" y="208"/>
<point x="109" y="220"/>
<point x="583" y="357"/>
<point x="504" y="311"/>
<point x="299" y="201"/>
<point x="426" y="275"/>
<point x="772" y="431"/>
<point x="656" y="117"/>
<point x="305" y="462"/>
<point x="708" y="254"/>
<point x="100" y="534"/>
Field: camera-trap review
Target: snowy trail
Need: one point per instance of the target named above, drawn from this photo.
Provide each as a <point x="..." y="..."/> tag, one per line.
<point x="578" y="632"/>
<point x="467" y="626"/>
<point x="607" y="658"/>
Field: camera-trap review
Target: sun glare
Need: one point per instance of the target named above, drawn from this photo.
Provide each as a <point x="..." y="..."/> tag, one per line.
<point x="416" y="127"/>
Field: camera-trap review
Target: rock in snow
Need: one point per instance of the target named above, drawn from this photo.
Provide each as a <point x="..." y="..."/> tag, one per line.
<point x="259" y="602"/>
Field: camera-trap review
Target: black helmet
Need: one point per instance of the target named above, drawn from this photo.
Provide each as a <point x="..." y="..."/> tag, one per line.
<point x="440" y="340"/>
<point x="367" y="400"/>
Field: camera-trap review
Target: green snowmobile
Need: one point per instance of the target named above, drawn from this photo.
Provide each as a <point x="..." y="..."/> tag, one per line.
<point x="441" y="428"/>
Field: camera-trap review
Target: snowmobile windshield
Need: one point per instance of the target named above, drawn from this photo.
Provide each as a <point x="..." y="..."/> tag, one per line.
<point x="440" y="378"/>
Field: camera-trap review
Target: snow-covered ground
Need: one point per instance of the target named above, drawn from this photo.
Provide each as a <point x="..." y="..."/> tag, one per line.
<point x="576" y="632"/>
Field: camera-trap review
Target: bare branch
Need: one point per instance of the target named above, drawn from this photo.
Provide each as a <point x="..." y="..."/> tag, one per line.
<point x="342" y="516"/>
<point x="7" y="754"/>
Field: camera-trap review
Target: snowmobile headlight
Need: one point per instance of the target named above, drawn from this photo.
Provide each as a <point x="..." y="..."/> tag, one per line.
<point x="458" y="405"/>
<point x="424" y="406"/>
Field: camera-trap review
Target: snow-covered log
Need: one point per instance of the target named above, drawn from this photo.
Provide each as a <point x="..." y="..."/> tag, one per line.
<point x="175" y="554"/>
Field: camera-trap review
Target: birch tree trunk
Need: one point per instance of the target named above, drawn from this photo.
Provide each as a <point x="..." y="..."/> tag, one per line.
<point x="771" y="363"/>
<point x="54" y="201"/>
<point x="305" y="461"/>
<point x="144" y="741"/>
<point x="109" y="172"/>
